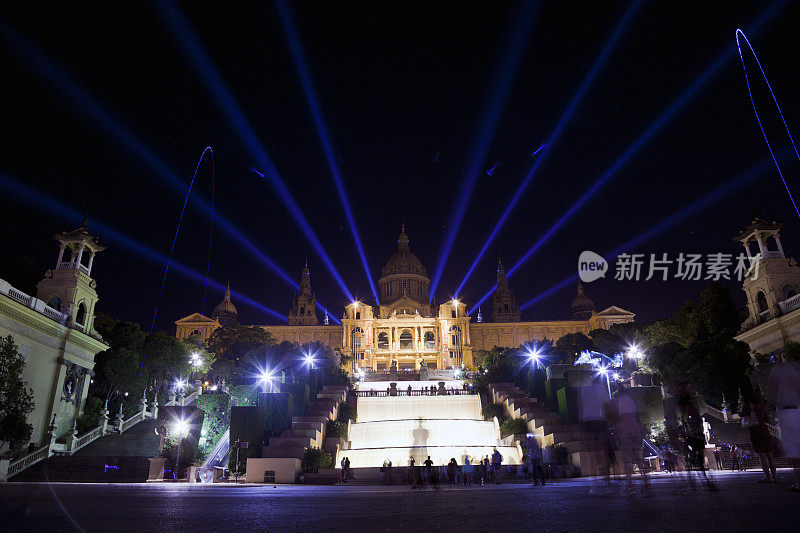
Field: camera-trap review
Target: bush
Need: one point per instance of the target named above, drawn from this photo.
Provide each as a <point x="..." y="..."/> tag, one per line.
<point x="494" y="410"/>
<point x="514" y="426"/>
<point x="90" y="418"/>
<point x="335" y="428"/>
<point x="315" y="459"/>
<point x="347" y="412"/>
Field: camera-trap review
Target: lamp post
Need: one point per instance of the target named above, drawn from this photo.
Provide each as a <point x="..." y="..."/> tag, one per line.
<point x="195" y="360"/>
<point x="181" y="428"/>
<point x="604" y="372"/>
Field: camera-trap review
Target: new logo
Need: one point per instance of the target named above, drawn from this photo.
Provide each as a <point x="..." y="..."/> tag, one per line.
<point x="591" y="266"/>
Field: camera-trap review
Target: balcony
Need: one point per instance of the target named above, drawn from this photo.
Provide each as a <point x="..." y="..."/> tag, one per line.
<point x="790" y="304"/>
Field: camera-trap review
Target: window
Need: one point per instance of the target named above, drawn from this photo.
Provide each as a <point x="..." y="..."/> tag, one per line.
<point x="358" y="315"/>
<point x="455" y="336"/>
<point x="506" y="308"/>
<point x="430" y="340"/>
<point x="761" y="300"/>
<point x="383" y="341"/>
<point x="302" y="310"/>
<point x="453" y="313"/>
<point x="788" y="292"/>
<point x="55" y="303"/>
<point x="356" y="336"/>
<point x="406" y="340"/>
<point x="80" y="318"/>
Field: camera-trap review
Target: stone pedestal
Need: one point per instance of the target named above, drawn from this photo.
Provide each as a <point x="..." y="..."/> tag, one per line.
<point x="392" y="389"/>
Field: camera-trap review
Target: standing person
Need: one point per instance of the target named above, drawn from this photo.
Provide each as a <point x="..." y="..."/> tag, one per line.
<point x="466" y="470"/>
<point x="735" y="458"/>
<point x="784" y="392"/>
<point x="718" y="458"/>
<point x="594" y="426"/>
<point x="429" y="472"/>
<point x="497" y="461"/>
<point x="349" y="471"/>
<point x="629" y="434"/>
<point x="412" y="473"/>
<point x="389" y="472"/>
<point x="754" y="417"/>
<point x="343" y="473"/>
<point x="486" y="470"/>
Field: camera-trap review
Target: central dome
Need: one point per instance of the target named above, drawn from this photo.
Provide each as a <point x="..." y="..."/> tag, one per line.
<point x="404" y="275"/>
<point x="403" y="261"/>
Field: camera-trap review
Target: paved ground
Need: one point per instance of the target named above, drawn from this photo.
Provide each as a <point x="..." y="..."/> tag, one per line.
<point x="740" y="505"/>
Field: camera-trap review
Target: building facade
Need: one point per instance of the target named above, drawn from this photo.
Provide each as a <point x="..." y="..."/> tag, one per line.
<point x="772" y="288"/>
<point x="408" y="330"/>
<point x="55" y="334"/>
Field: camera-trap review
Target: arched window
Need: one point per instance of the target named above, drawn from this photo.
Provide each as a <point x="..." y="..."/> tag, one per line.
<point x="506" y="308"/>
<point x="383" y="341"/>
<point x="406" y="340"/>
<point x="788" y="291"/>
<point x="430" y="340"/>
<point x="761" y="300"/>
<point x="358" y="315"/>
<point x="80" y="317"/>
<point x="453" y="313"/>
<point x="302" y="310"/>
<point x="55" y="303"/>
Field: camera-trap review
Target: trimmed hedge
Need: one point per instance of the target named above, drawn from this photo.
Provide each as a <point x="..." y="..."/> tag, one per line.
<point x="247" y="424"/>
<point x="245" y="395"/>
<point x="514" y="426"/>
<point x="334" y="428"/>
<point x="278" y="407"/>
<point x="300" y="394"/>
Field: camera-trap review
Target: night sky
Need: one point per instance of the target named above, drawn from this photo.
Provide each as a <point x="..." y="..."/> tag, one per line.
<point x="396" y="87"/>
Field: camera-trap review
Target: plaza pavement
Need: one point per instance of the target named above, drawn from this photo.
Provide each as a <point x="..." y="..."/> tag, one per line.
<point x="741" y="504"/>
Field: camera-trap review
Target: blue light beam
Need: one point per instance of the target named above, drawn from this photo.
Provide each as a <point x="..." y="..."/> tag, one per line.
<point x="692" y="209"/>
<point x="189" y="42"/>
<point x="758" y="118"/>
<point x="654" y="128"/>
<point x="562" y="123"/>
<point x="86" y="104"/>
<point x="322" y="130"/>
<point x="50" y="206"/>
<point x="512" y="53"/>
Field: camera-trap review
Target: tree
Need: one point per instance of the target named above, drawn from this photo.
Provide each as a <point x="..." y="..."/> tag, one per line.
<point x="205" y="358"/>
<point x="572" y="344"/>
<point x="117" y="369"/>
<point x="235" y="341"/>
<point x="16" y="399"/>
<point x="166" y="358"/>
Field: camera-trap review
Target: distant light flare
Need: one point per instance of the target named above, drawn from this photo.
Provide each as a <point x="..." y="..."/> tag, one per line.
<point x="70" y="89"/>
<point x="554" y="136"/>
<point x="189" y="42"/>
<point x="639" y="143"/>
<point x="322" y="130"/>
<point x="758" y="118"/>
<point x="513" y="52"/>
<point x="698" y="205"/>
<point x="51" y="206"/>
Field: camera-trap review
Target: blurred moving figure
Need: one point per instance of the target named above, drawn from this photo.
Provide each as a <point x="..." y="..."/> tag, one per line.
<point x="629" y="435"/>
<point x="694" y="443"/>
<point x="784" y="392"/>
<point x="754" y="418"/>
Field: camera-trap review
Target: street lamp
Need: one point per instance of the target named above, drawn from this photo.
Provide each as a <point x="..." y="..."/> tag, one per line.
<point x="266" y="377"/>
<point x="181" y="429"/>
<point x="195" y="360"/>
<point x="635" y="353"/>
<point x="309" y="360"/>
<point x="535" y="356"/>
<point x="603" y="370"/>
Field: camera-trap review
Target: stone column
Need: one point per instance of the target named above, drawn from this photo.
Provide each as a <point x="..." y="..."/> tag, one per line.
<point x="52" y="429"/>
<point x="143" y="403"/>
<point x="89" y="266"/>
<point x="72" y="438"/>
<point x="780" y="247"/>
<point x="80" y="256"/>
<point x="61" y="254"/>
<point x="104" y="418"/>
<point x="761" y="248"/>
<point x="154" y="406"/>
<point x="118" y="420"/>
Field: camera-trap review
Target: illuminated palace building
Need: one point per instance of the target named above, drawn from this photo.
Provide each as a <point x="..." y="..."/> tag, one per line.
<point x="406" y="327"/>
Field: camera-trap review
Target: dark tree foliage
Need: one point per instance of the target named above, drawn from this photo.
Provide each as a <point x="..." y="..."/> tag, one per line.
<point x="236" y="341"/>
<point x="572" y="344"/>
<point x="16" y="399"/>
<point x="697" y="345"/>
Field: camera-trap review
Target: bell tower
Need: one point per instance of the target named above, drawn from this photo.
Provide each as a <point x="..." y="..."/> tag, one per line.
<point x="504" y="303"/>
<point x="69" y="287"/>
<point x="773" y="280"/>
<point x="303" y="312"/>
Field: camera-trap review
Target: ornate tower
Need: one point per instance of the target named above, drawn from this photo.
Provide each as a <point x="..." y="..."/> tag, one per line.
<point x="504" y="303"/>
<point x="582" y="306"/>
<point x="69" y="287"/>
<point x="773" y="280"/>
<point x="303" y="312"/>
<point x="225" y="312"/>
